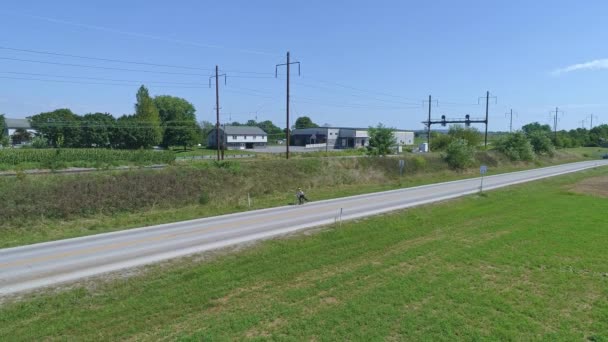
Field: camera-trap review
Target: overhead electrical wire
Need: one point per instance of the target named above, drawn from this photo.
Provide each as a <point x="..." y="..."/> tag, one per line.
<point x="102" y="67"/>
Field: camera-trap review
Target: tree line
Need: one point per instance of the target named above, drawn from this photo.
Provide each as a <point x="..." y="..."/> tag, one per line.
<point x="163" y="120"/>
<point x="158" y="121"/>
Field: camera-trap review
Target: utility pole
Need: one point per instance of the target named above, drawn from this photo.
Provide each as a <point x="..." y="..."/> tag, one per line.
<point x="428" y="129"/>
<point x="287" y="98"/>
<point x="217" y="110"/>
<point x="487" y="107"/>
<point x="591" y="125"/>
<point x="555" y="124"/>
<point x="511" y="121"/>
<point x="583" y="123"/>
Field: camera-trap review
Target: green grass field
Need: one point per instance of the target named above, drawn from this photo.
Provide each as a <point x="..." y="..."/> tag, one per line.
<point x="350" y="180"/>
<point x="523" y="263"/>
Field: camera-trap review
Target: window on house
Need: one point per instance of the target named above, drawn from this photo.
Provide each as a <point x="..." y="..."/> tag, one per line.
<point x="245" y="137"/>
<point x="234" y="137"/>
<point x="254" y="137"/>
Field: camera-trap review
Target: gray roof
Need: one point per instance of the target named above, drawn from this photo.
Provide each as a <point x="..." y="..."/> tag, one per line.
<point x="243" y="130"/>
<point x="17" y="123"/>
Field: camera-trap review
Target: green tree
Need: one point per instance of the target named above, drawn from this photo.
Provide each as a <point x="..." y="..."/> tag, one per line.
<point x="206" y="127"/>
<point x="516" y="146"/>
<point x="304" y="122"/>
<point x="3" y="128"/>
<point x="470" y="134"/>
<point x="269" y="127"/>
<point x="147" y="119"/>
<point x="128" y="132"/>
<point x="536" y="127"/>
<point x="459" y="154"/>
<point x="60" y="127"/>
<point x="98" y="130"/>
<point x="541" y="143"/>
<point x="381" y="140"/>
<point x="178" y="120"/>
<point x="21" y="136"/>
<point x="598" y="135"/>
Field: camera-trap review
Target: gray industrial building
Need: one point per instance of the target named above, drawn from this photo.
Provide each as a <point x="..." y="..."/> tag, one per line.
<point x="342" y="137"/>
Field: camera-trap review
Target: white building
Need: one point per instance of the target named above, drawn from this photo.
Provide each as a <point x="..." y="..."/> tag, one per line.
<point x="238" y="137"/>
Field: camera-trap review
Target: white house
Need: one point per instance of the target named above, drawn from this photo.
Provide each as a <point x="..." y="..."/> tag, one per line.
<point x="238" y="137"/>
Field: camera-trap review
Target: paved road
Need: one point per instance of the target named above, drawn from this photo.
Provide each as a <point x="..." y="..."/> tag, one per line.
<point x="33" y="266"/>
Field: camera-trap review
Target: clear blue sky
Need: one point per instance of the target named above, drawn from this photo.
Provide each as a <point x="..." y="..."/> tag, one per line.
<point x="363" y="62"/>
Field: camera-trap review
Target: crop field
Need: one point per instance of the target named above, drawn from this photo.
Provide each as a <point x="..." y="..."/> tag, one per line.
<point x="56" y="158"/>
<point x="523" y="263"/>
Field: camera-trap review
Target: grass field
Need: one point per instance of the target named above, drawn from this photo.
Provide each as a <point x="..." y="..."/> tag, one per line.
<point x="523" y="263"/>
<point x="38" y="209"/>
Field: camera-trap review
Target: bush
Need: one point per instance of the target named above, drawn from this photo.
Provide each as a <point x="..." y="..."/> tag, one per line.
<point x="440" y="142"/>
<point x="541" y="144"/>
<point x="459" y="155"/>
<point x="419" y="163"/>
<point x="516" y="146"/>
<point x="470" y="134"/>
<point x="40" y="142"/>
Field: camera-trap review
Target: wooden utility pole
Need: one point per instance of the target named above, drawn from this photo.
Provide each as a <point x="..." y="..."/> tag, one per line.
<point x="287" y="65"/>
<point x="511" y="122"/>
<point x="428" y="129"/>
<point x="487" y="107"/>
<point x="555" y="124"/>
<point x="217" y="111"/>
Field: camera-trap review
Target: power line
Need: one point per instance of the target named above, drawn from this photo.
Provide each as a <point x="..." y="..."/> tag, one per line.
<point x="99" y="79"/>
<point x="103" y="59"/>
<point x="90" y="83"/>
<point x="102" y="68"/>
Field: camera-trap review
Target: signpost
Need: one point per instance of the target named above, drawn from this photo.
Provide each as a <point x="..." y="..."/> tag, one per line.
<point x="482" y="170"/>
<point x="401" y="166"/>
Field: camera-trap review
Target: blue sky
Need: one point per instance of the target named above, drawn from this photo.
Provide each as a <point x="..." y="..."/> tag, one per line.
<point x="363" y="62"/>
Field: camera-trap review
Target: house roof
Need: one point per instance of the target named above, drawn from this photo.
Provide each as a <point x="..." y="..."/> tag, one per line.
<point x="243" y="130"/>
<point x="17" y="123"/>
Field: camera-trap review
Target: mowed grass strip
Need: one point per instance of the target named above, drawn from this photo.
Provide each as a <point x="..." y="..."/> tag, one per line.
<point x="523" y="263"/>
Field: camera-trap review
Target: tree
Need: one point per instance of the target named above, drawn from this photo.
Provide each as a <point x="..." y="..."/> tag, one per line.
<point x="381" y="140"/>
<point x="470" y="134"/>
<point x="3" y="128"/>
<point x="459" y="154"/>
<point x="541" y="143"/>
<point x="269" y="127"/>
<point x="305" y="122"/>
<point x="98" y="130"/>
<point x="147" y="119"/>
<point x="127" y="134"/>
<point x="598" y="136"/>
<point x="206" y="127"/>
<point x="21" y="136"/>
<point x="536" y="127"/>
<point x="516" y="146"/>
<point x="178" y="120"/>
<point x="60" y="127"/>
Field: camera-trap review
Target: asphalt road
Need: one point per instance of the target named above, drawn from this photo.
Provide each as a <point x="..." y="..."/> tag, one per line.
<point x="33" y="266"/>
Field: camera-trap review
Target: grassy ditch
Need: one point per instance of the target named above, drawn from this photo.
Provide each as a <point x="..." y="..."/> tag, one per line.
<point x="523" y="263"/>
<point x="43" y="208"/>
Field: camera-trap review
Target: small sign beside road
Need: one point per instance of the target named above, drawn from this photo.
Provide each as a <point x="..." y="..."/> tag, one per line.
<point x="483" y="170"/>
<point x="401" y="166"/>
